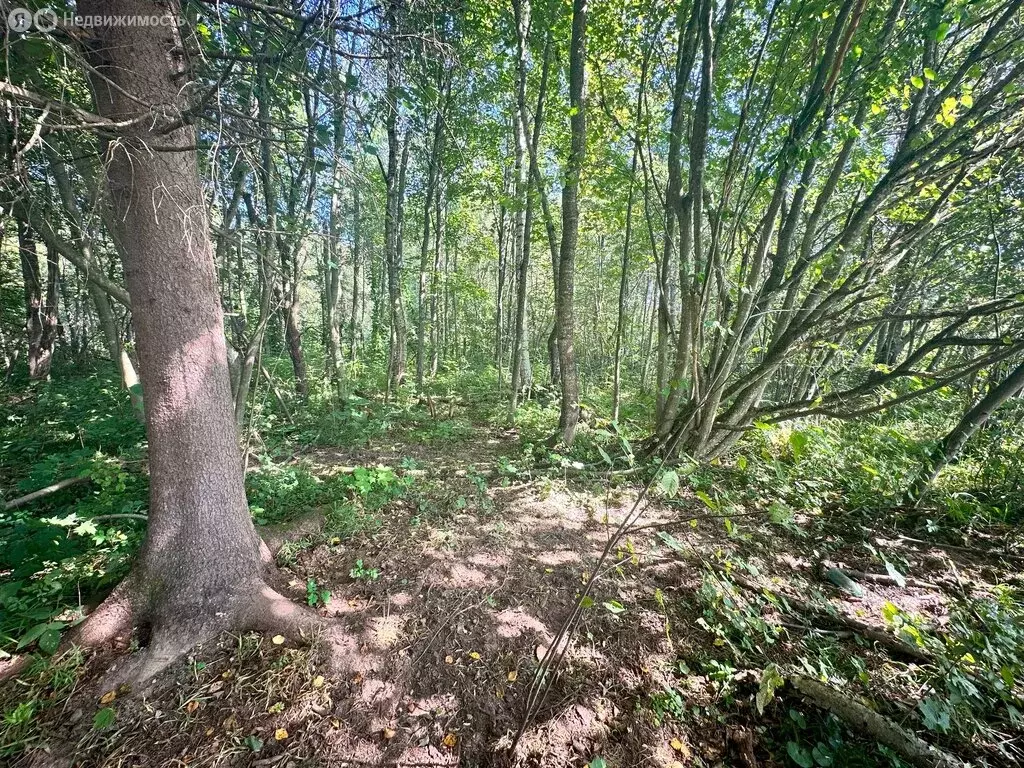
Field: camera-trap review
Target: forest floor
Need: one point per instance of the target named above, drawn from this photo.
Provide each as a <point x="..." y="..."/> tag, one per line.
<point x="446" y="604"/>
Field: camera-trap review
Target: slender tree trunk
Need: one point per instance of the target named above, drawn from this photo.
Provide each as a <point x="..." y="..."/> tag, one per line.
<point x="971" y="422"/>
<point x="564" y="320"/>
<point x="620" y="321"/>
<point x="522" y="375"/>
<point x="357" y="262"/>
<point x="40" y="315"/>
<point x="335" y="358"/>
<point x="200" y="570"/>
<point x="424" y="272"/>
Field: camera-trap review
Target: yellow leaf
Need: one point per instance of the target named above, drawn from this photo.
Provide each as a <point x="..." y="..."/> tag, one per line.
<point x="318" y="681"/>
<point x="278" y="639"/>
<point x="677" y="745"/>
<point x="280" y="734"/>
<point x="389" y="733"/>
<point x="108" y="697"/>
<point x="450" y="740"/>
<point x="449" y="659"/>
<point x="512" y="676"/>
<point x="474" y="655"/>
<point x="192" y="706"/>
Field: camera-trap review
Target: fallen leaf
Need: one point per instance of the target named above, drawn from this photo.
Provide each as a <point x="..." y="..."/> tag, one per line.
<point x="278" y="639"/>
<point x="192" y="706"/>
<point x="449" y="659"/>
<point x="358" y="678"/>
<point x="335" y="723"/>
<point x="228" y="674"/>
<point x="280" y="734"/>
<point x="209" y="731"/>
<point x="450" y="740"/>
<point x="475" y="656"/>
<point x="389" y="733"/>
<point x="677" y="745"/>
<point x="318" y="681"/>
<point x="231" y="722"/>
<point x="513" y="675"/>
<point x="108" y="697"/>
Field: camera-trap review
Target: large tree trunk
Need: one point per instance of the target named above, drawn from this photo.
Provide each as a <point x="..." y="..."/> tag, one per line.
<point x="564" y="318"/>
<point x="200" y="570"/>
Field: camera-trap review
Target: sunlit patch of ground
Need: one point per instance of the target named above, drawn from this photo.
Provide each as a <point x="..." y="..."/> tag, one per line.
<point x="431" y="660"/>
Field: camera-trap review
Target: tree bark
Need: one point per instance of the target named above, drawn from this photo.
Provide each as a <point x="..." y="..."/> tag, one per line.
<point x="564" y="311"/>
<point x="200" y="570"/>
<point x="40" y="315"/>
<point x="971" y="422"/>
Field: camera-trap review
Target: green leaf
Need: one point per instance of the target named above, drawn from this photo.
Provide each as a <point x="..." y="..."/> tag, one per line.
<point x="896" y="575"/>
<point x="49" y="641"/>
<point x="669" y="483"/>
<point x="670" y="540"/>
<point x="800" y="755"/>
<point x="604" y="455"/>
<point x="32" y="635"/>
<point x="822" y="755"/>
<point x="929" y="73"/>
<point x="597" y="762"/>
<point x="917" y="82"/>
<point x="711" y="503"/>
<point x="941" y="32"/>
<point x="798" y="441"/>
<point x="104" y="718"/>
<point x="614" y="607"/>
<point x="771" y="680"/>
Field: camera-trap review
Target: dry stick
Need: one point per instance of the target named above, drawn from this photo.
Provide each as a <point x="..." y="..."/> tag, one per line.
<point x="884" y="578"/>
<point x="48" y="490"/>
<point x="540" y="686"/>
<point x="959" y="548"/>
<point x="881" y="729"/>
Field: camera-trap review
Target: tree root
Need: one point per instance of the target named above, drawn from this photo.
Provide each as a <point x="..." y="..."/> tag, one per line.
<point x="861" y="719"/>
<point x="259" y="609"/>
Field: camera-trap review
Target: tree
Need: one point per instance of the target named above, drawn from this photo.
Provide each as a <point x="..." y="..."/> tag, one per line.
<point x="200" y="570"/>
<point x="564" y="309"/>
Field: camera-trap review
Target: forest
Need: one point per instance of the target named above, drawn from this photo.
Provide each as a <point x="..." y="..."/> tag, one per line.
<point x="541" y="383"/>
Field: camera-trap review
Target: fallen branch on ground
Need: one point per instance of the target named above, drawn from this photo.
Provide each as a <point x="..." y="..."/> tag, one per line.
<point x="865" y="630"/>
<point x="960" y="548"/>
<point x="48" y="490"/>
<point x="861" y="719"/>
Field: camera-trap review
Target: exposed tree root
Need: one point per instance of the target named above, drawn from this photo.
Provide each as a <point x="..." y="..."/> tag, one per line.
<point x="861" y="719"/>
<point x="165" y="639"/>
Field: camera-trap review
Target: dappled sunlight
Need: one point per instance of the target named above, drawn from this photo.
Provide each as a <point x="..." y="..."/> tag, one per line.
<point x="514" y="622"/>
<point x="558" y="557"/>
<point x="457" y="576"/>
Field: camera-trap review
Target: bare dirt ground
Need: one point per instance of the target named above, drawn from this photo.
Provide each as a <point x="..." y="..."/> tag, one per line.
<point x="439" y="632"/>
